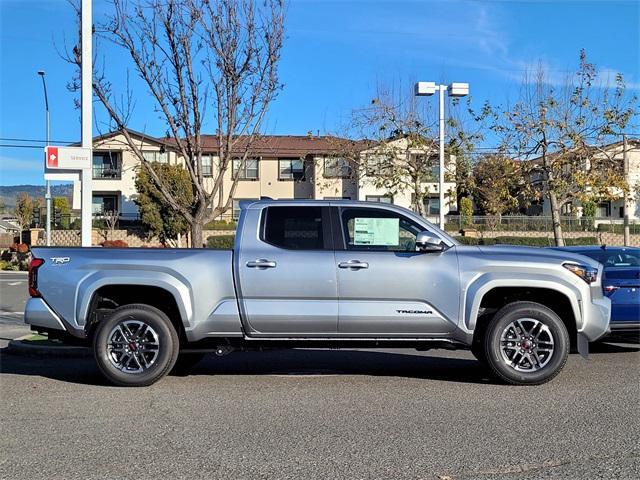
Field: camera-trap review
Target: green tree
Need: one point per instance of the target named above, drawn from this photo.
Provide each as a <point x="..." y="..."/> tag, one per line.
<point x="466" y="211"/>
<point x="562" y="131"/>
<point x="589" y="212"/>
<point x="62" y="204"/>
<point x="24" y="211"/>
<point x="499" y="185"/>
<point x="157" y="215"/>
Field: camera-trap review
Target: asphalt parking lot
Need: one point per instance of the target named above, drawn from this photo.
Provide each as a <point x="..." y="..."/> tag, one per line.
<point x="321" y="414"/>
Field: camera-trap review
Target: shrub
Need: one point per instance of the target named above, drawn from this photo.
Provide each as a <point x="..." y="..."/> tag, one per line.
<point x="10" y="267"/>
<point x="114" y="244"/>
<point x="224" y="242"/>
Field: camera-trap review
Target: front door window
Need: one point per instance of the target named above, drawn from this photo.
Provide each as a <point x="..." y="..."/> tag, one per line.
<point x="375" y="230"/>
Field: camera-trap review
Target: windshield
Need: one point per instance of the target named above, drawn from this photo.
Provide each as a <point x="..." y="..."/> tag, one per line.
<point x="615" y="257"/>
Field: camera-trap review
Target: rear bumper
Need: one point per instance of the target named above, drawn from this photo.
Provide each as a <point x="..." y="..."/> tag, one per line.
<point x="38" y="314"/>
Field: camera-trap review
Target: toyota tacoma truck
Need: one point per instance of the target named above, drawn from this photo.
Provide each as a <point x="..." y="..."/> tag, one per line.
<point x="326" y="274"/>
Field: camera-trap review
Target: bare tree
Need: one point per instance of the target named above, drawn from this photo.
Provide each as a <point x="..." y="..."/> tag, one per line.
<point x="203" y="62"/>
<point x="566" y="128"/>
<point x="110" y="218"/>
<point x="405" y="156"/>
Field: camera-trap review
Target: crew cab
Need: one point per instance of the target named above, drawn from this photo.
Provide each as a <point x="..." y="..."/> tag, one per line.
<point x="339" y="274"/>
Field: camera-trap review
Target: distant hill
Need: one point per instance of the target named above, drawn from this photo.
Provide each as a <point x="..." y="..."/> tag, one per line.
<point x="9" y="193"/>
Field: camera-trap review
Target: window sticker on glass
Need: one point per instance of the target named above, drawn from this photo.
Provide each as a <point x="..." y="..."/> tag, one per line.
<point x="376" y="231"/>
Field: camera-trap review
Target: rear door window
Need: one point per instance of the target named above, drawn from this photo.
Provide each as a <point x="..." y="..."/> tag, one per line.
<point x="297" y="228"/>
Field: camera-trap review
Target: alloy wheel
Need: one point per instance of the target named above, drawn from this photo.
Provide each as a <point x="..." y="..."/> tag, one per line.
<point x="526" y="345"/>
<point x="133" y="346"/>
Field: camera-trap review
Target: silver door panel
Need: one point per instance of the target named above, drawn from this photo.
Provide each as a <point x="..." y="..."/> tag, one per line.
<point x="292" y="317"/>
<point x="391" y="317"/>
<point x="396" y="281"/>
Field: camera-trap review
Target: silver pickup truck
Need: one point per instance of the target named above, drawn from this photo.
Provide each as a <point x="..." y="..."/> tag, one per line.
<point x="336" y="274"/>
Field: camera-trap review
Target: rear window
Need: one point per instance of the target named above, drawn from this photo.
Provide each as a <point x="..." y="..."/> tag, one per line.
<point x="294" y="228"/>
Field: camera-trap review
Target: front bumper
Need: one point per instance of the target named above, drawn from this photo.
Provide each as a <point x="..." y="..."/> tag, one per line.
<point x="596" y="316"/>
<point x="38" y="314"/>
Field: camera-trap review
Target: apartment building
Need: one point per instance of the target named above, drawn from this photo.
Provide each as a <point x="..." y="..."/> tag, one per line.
<point x="613" y="210"/>
<point x="279" y="166"/>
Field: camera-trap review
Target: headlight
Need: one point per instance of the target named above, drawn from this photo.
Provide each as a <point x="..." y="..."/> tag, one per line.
<point x="588" y="274"/>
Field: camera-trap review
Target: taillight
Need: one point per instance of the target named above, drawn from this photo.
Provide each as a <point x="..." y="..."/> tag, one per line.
<point x="33" y="276"/>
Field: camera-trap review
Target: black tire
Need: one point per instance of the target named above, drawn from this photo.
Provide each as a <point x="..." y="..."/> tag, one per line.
<point x="162" y="332"/>
<point x="499" y="359"/>
<point x="185" y="362"/>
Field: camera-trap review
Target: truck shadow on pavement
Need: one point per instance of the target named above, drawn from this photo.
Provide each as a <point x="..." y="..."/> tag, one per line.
<point x="273" y="362"/>
<point x="302" y="362"/>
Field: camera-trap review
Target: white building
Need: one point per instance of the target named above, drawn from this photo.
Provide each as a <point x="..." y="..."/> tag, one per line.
<point x="279" y="166"/>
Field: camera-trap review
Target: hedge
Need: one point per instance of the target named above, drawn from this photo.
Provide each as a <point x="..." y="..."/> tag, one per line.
<point x="220" y="225"/>
<point x="525" y="241"/>
<point x="634" y="228"/>
<point x="224" y="242"/>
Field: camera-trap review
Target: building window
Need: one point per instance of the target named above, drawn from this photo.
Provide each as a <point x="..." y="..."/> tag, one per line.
<point x="107" y="165"/>
<point x="290" y="169"/>
<point x="155" y="156"/>
<point x="101" y="204"/>
<point x="566" y="209"/>
<point x="432" y="205"/>
<point x="604" y="209"/>
<point x="207" y="166"/>
<point x="379" y="198"/>
<point x="336" y="168"/>
<point x="246" y="171"/>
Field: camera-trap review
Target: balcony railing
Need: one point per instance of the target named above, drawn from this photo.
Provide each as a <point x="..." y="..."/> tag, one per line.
<point x="101" y="172"/>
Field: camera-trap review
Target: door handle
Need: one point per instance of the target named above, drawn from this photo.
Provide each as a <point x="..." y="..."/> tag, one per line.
<point x="357" y="264"/>
<point x="261" y="263"/>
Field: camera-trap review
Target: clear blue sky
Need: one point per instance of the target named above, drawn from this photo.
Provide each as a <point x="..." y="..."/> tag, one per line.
<point x="336" y="53"/>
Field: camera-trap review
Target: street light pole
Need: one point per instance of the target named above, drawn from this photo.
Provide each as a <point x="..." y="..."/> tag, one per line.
<point x="47" y="195"/>
<point x="441" y="90"/>
<point x="454" y="90"/>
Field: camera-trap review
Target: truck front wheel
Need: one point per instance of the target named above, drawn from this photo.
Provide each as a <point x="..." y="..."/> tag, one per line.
<point x="526" y="343"/>
<point x="135" y="346"/>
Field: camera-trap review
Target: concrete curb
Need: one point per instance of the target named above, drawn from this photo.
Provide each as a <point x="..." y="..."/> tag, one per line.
<point x="19" y="347"/>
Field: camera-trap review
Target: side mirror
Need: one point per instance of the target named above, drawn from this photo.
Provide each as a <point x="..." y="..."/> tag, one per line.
<point x="426" y="242"/>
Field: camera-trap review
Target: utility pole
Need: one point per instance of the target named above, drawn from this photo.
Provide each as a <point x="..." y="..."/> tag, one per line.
<point x="47" y="195"/>
<point x="86" y="97"/>
<point x="625" y="158"/>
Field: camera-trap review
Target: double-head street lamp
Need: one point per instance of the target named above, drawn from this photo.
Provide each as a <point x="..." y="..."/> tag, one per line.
<point x="454" y="90"/>
<point x="47" y="195"/>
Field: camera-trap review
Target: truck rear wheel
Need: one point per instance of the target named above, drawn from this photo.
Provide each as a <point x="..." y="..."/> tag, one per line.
<point x="526" y="343"/>
<point x="135" y="346"/>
